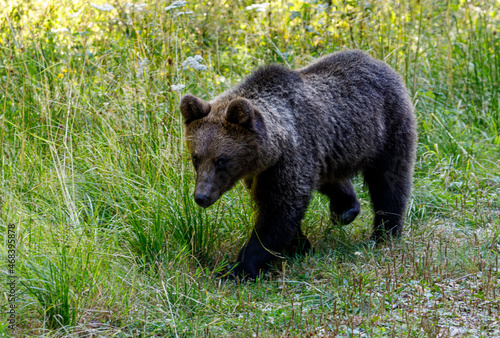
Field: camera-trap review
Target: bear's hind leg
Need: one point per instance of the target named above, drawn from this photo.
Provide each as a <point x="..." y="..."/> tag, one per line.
<point x="344" y="205"/>
<point x="389" y="184"/>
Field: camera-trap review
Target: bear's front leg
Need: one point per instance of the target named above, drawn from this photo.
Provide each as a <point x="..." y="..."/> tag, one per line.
<point x="277" y="229"/>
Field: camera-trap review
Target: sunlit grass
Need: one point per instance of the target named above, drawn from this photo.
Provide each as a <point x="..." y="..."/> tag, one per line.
<point x="96" y="178"/>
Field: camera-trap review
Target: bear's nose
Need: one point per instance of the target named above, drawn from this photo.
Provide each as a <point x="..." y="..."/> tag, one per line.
<point x="201" y="200"/>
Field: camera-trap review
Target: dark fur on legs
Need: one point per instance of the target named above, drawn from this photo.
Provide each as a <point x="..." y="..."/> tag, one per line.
<point x="344" y="204"/>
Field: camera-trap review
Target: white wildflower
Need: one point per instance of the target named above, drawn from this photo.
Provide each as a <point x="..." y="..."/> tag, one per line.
<point x="357" y="253"/>
<point x="258" y="7"/>
<point x="182" y="13"/>
<point x="177" y="87"/>
<point x="220" y="79"/>
<point x="142" y="71"/>
<point x="74" y="15"/>
<point x="194" y="62"/>
<point x="477" y="9"/>
<point x="135" y="7"/>
<point x="103" y="7"/>
<point x="176" y="4"/>
<point x="59" y="30"/>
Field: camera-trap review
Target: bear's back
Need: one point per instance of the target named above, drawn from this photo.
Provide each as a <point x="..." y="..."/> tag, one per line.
<point x="345" y="63"/>
<point x="270" y="80"/>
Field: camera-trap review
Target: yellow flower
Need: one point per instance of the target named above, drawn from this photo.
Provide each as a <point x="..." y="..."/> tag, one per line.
<point x="60" y="75"/>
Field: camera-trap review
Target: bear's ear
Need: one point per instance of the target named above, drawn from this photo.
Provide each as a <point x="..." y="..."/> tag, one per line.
<point x="193" y="108"/>
<point x="240" y="111"/>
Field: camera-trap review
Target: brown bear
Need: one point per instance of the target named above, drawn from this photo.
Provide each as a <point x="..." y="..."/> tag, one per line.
<point x="286" y="133"/>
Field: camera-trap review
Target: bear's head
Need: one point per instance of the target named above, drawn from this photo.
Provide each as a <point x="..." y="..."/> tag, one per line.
<point x="224" y="139"/>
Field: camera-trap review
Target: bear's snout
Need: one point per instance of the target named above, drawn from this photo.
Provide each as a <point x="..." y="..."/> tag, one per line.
<point x="202" y="200"/>
<point x="210" y="185"/>
<point x="206" y="194"/>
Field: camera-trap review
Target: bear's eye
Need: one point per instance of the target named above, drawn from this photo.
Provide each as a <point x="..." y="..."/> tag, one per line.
<point x="221" y="161"/>
<point x="195" y="161"/>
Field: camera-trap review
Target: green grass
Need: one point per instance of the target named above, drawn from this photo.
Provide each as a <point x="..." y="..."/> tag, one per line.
<point x="96" y="178"/>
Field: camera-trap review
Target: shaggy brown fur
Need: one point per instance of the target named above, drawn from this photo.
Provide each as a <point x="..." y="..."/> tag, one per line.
<point x="289" y="132"/>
